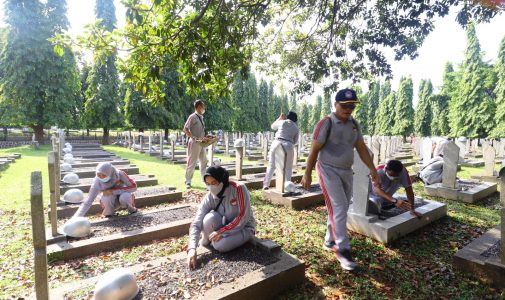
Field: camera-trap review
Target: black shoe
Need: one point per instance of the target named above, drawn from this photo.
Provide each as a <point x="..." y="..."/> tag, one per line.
<point x="266" y="188"/>
<point x="330" y="246"/>
<point x="346" y="261"/>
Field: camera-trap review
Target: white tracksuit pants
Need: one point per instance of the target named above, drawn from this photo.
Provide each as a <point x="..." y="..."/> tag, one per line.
<point x="111" y="203"/>
<point x="213" y="222"/>
<point x="277" y="145"/>
<point x="336" y="184"/>
<point x="195" y="152"/>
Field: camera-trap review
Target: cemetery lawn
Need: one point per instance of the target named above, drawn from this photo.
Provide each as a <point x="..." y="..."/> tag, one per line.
<point x="415" y="267"/>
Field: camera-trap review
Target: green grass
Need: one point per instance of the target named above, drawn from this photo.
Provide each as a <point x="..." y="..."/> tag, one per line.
<point x="418" y="266"/>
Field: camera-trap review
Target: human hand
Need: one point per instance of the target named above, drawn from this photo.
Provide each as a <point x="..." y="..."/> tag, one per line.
<point x="214" y="236"/>
<point x="403" y="204"/>
<point x="306" y="181"/>
<point x="375" y="178"/>
<point x="191" y="259"/>
<point x="282" y="116"/>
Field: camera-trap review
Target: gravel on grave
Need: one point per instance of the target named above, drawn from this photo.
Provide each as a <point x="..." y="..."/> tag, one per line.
<point x="466" y="185"/>
<point x="174" y="280"/>
<point x="386" y="214"/>
<point x="137" y="221"/>
<point x="493" y="251"/>
<point x="314" y="188"/>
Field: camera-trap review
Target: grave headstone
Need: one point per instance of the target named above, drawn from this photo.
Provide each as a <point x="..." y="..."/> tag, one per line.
<point x="375" y="151"/>
<point x="150" y="143"/>
<point x="383" y="153"/>
<point x="360" y="185"/>
<point x="210" y="154"/>
<point x="489" y="154"/>
<point x="450" y="168"/>
<point x="161" y="144"/>
<point x="239" y="161"/>
<point x="39" y="237"/>
<point x="426" y="150"/>
<point x="53" y="181"/>
<point x="227" y="143"/>
<point x="280" y="168"/>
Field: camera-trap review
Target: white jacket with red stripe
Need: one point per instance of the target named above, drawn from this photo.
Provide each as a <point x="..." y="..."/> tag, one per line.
<point x="236" y="207"/>
<point x="124" y="184"/>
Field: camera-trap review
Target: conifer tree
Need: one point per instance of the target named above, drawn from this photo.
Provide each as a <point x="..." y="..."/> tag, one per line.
<point x="385" y="115"/>
<point x="326" y="106"/>
<point x="264" y="101"/>
<point x="373" y="106"/>
<point x="423" y="111"/>
<point x="404" y="112"/>
<point x="499" y="91"/>
<point x="316" y="111"/>
<point x="361" y="113"/>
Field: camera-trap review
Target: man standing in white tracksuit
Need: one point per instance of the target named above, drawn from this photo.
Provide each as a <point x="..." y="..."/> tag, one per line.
<point x="333" y="143"/>
<point x="195" y="128"/>
<point x="286" y="137"/>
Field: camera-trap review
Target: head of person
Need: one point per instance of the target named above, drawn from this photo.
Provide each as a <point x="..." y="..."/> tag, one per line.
<point x="217" y="180"/>
<point x="292" y="116"/>
<point x="345" y="103"/>
<point x="105" y="172"/>
<point x="199" y="106"/>
<point x="393" y="169"/>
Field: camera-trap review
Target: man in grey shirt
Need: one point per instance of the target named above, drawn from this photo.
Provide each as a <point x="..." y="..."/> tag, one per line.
<point x="333" y="143"/>
<point x="194" y="129"/>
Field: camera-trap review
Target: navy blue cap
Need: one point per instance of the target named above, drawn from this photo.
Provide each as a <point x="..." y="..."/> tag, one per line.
<point x="346" y="96"/>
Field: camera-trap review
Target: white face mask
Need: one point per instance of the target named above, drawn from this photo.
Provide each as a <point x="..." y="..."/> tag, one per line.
<point x="215" y="188"/>
<point x="391" y="177"/>
<point x="105" y="179"/>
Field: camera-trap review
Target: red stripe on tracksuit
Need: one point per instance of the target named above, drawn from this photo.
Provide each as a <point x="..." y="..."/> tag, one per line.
<point x="236" y="221"/>
<point x="327" y="200"/>
<point x="318" y="127"/>
<point x="379" y="167"/>
<point x="132" y="182"/>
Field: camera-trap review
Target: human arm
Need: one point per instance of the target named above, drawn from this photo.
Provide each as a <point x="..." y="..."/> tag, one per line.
<point x="86" y="204"/>
<point x="188" y="125"/>
<point x="131" y="185"/>
<point x="315" y="147"/>
<point x="411" y="199"/>
<point x="245" y="211"/>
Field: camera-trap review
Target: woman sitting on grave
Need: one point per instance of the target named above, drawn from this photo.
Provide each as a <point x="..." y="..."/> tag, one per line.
<point x="391" y="176"/>
<point x="117" y="191"/>
<point x="225" y="218"/>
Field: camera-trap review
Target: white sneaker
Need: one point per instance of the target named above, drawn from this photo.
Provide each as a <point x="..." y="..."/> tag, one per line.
<point x="345" y="259"/>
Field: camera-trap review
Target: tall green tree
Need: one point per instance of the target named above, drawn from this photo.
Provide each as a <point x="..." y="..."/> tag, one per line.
<point x="274" y="105"/>
<point x="404" y="115"/>
<point x="315" y="114"/>
<point x="385" y="115"/>
<point x="499" y="130"/>
<point x="141" y="114"/>
<point x="472" y="111"/>
<point x="326" y="106"/>
<point x="38" y="88"/>
<point x="264" y="105"/>
<point x="177" y="104"/>
<point x="440" y="117"/>
<point x="284" y="103"/>
<point x="103" y="105"/>
<point x="292" y="103"/>
<point x="373" y="106"/>
<point x="423" y="111"/>
<point x="253" y="104"/>
<point x="244" y="104"/>
<point x="303" y="117"/>
<point x="361" y="113"/>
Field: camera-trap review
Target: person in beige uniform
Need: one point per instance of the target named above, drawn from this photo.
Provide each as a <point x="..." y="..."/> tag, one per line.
<point x="194" y="129"/>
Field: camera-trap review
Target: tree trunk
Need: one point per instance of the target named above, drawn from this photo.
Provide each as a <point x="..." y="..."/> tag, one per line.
<point x="141" y="129"/>
<point x="105" y="138"/>
<point x="87" y="131"/>
<point x="165" y="134"/>
<point x="38" y="130"/>
<point x="6" y="132"/>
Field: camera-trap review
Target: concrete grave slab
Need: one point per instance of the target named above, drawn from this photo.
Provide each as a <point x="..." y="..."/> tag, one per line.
<point x="85" y="183"/>
<point x="297" y="200"/>
<point x="94" y="163"/>
<point x="65" y="250"/>
<point x="471" y="192"/>
<point x="90" y="172"/>
<point x="255" y="181"/>
<point x="283" y="272"/>
<point x="144" y="197"/>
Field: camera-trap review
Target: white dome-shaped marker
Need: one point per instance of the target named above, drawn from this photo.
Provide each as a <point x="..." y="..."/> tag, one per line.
<point x="69" y="160"/>
<point x="73" y="196"/>
<point x="116" y="284"/>
<point x="66" y="167"/>
<point x="71" y="178"/>
<point x="289" y="187"/>
<point x="77" y="227"/>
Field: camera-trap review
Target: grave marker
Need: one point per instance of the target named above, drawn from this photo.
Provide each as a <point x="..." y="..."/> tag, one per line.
<point x="39" y="237"/>
<point x="451" y="158"/>
<point x="426" y="150"/>
<point x="280" y="168"/>
<point x="375" y="151"/>
<point x="489" y="154"/>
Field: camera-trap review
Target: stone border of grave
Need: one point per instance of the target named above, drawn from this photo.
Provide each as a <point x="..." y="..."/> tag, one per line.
<point x="141" y="180"/>
<point x="296" y="201"/>
<point x="391" y="229"/>
<point x="470" y="260"/>
<point x="68" y="210"/>
<point x="257" y="183"/>
<point x="472" y="195"/>
<point x="90" y="172"/>
<point x="64" y="251"/>
<point x="264" y="283"/>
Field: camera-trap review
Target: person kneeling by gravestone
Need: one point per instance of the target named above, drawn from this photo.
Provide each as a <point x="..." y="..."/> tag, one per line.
<point x="117" y="191"/>
<point x="392" y="176"/>
<point x="225" y="217"/>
